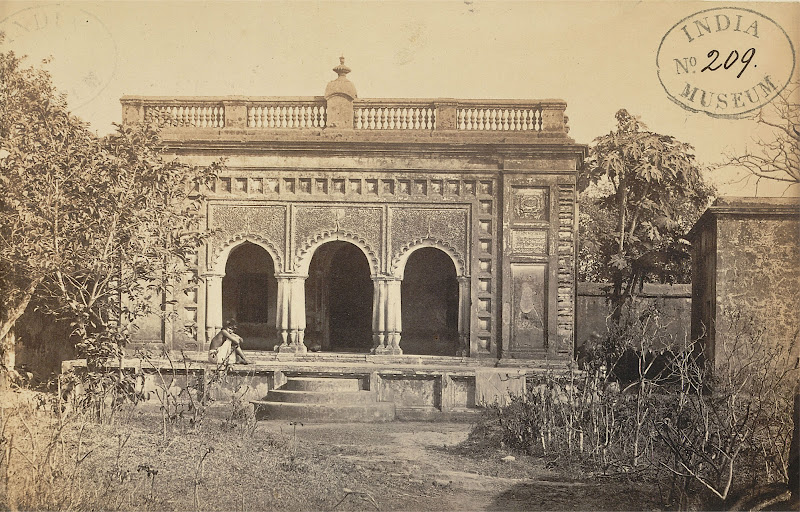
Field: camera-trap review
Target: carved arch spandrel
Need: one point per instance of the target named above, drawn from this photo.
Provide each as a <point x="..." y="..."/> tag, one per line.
<point x="415" y="226"/>
<point x="232" y="224"/>
<point x="305" y="251"/>
<point x="221" y="251"/>
<point x="398" y="264"/>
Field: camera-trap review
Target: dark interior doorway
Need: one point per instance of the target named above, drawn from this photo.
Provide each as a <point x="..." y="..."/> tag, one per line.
<point x="249" y="291"/>
<point x="339" y="299"/>
<point x="430" y="304"/>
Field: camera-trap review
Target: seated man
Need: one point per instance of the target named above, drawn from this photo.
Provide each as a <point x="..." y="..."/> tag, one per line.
<point x="225" y="343"/>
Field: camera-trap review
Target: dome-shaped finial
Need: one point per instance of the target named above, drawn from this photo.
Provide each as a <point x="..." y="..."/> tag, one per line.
<point x="341" y="69"/>
<point x="341" y="85"/>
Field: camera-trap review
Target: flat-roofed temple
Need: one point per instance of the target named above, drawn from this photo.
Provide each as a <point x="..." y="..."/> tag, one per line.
<point x="441" y="227"/>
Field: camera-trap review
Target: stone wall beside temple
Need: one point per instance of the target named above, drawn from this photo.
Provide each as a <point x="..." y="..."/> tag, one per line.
<point x="746" y="264"/>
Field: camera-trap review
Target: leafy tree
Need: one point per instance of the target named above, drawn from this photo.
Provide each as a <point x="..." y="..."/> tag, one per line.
<point x="640" y="193"/>
<point x="94" y="226"/>
<point x="777" y="158"/>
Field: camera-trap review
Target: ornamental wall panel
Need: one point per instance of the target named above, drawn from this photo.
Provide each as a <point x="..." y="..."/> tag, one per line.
<point x="259" y="223"/>
<point x="539" y="249"/>
<point x="363" y="225"/>
<point x="416" y="225"/>
<point x="529" y="308"/>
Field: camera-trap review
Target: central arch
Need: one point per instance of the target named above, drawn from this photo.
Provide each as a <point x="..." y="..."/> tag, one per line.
<point x="339" y="296"/>
<point x="430" y="302"/>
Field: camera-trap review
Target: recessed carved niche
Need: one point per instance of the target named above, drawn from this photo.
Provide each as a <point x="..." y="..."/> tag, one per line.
<point x="530" y="203"/>
<point x="528" y="307"/>
<point x="529" y="241"/>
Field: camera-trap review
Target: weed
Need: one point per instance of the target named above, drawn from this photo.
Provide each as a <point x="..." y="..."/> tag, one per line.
<point x="198" y="475"/>
<point x="712" y="424"/>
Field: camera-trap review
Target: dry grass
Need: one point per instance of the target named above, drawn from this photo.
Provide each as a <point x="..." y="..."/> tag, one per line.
<point x="61" y="462"/>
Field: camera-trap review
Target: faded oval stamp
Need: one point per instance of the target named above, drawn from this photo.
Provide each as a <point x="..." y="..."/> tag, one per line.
<point x="84" y="54"/>
<point x="725" y="61"/>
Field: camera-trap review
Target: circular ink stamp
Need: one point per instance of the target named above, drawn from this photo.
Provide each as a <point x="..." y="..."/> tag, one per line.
<point x="84" y="55"/>
<point x="725" y="61"/>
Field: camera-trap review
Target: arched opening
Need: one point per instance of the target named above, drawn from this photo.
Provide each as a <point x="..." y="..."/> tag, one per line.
<point x="430" y="304"/>
<point x="339" y="299"/>
<point x="249" y="289"/>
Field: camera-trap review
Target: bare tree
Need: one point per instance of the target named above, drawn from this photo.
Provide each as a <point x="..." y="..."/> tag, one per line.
<point x="778" y="157"/>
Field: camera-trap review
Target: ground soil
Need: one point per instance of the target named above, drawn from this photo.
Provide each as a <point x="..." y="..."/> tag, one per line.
<point x="432" y="473"/>
<point x="218" y="460"/>
<point x="224" y="463"/>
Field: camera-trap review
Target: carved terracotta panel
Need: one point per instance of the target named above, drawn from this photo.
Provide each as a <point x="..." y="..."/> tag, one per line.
<point x="528" y="307"/>
<point x="441" y="226"/>
<point x="361" y="222"/>
<point x="529" y="241"/>
<point x="530" y="203"/>
<point x="263" y="223"/>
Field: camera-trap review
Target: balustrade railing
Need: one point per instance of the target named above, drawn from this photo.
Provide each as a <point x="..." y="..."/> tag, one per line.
<point x="498" y="117"/>
<point x="311" y="112"/>
<point x="189" y="115"/>
<point x="394" y="115"/>
<point x="286" y="114"/>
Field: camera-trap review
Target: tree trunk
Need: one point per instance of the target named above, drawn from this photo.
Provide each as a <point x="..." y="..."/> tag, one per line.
<point x="15" y="311"/>
<point x="8" y="349"/>
<point x="618" y="274"/>
<point x="794" y="449"/>
<point x="8" y="359"/>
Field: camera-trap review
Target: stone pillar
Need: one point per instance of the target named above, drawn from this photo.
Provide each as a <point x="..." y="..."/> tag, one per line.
<point x="339" y="96"/>
<point x="464" y="306"/>
<point x="394" y="317"/>
<point x="379" y="316"/>
<point x="235" y="112"/>
<point x="446" y="115"/>
<point x="132" y="111"/>
<point x="386" y="316"/>
<point x="213" y="304"/>
<point x="377" y="312"/>
<point x="290" y="319"/>
<point x="553" y="117"/>
<point x="282" y="314"/>
<point x="297" y="313"/>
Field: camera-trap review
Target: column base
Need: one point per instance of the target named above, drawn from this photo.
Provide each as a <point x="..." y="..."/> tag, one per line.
<point x="387" y="351"/>
<point x="292" y="349"/>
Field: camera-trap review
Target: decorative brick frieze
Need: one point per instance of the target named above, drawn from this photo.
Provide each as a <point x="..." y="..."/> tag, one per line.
<point x="566" y="268"/>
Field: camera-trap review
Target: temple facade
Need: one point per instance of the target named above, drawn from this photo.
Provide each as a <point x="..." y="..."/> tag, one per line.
<point x="441" y="227"/>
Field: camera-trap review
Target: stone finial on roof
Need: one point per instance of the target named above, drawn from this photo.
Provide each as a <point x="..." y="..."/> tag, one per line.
<point x="341" y="86"/>
<point x="341" y="69"/>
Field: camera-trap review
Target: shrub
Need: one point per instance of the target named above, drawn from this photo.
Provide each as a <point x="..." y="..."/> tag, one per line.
<point x="717" y="424"/>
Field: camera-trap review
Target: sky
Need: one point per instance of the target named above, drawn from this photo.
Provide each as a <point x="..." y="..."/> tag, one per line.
<point x="598" y="56"/>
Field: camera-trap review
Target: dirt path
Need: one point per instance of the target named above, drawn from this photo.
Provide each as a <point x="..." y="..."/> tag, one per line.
<point x="416" y="453"/>
<point x="433" y="475"/>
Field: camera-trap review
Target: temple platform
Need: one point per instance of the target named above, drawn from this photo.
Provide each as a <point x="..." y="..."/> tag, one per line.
<point x="412" y="387"/>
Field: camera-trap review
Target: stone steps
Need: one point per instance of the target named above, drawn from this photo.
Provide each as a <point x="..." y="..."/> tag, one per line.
<point x="325" y="413"/>
<point x="323" y="399"/>
<point x="322" y="384"/>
